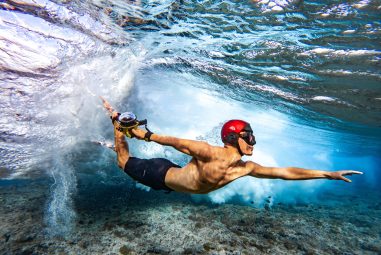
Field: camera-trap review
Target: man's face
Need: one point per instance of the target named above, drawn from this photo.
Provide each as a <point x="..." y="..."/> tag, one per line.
<point x="246" y="143"/>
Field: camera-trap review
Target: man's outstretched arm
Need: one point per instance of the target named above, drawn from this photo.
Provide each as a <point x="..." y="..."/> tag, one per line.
<point x="198" y="149"/>
<point x="295" y="173"/>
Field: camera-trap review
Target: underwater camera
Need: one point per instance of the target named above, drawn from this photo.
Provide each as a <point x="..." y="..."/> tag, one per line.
<point x="128" y="121"/>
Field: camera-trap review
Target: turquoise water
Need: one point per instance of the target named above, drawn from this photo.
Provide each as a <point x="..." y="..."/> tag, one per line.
<point x="305" y="74"/>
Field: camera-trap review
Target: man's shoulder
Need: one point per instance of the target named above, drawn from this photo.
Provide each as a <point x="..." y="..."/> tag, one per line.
<point x="214" y="147"/>
<point x="251" y="164"/>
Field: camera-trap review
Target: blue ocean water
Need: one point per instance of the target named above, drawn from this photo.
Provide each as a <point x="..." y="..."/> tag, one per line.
<point x="305" y="74"/>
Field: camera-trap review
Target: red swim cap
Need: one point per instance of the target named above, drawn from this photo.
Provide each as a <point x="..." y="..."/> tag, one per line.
<point x="231" y="129"/>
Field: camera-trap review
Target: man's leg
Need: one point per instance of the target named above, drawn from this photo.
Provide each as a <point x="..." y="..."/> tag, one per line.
<point x="121" y="148"/>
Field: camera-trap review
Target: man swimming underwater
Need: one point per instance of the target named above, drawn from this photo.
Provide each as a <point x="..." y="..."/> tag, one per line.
<point x="211" y="167"/>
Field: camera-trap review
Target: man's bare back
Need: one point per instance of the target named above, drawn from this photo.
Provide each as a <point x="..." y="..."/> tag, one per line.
<point x="203" y="175"/>
<point x="211" y="167"/>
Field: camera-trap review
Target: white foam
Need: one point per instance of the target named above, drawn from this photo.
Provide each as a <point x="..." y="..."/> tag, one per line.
<point x="277" y="9"/>
<point x="276" y="77"/>
<point x="361" y="4"/>
<point x="320" y="51"/>
<point x="323" y="98"/>
<point x="350" y="31"/>
<point x="216" y="54"/>
<point x="341" y="72"/>
<point x="264" y="1"/>
<point x="276" y="91"/>
<point x="165" y="61"/>
<point x="332" y="99"/>
<point x="341" y="53"/>
<point x="60" y="214"/>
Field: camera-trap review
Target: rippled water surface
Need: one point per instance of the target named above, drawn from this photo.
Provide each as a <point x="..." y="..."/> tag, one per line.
<point x="306" y="74"/>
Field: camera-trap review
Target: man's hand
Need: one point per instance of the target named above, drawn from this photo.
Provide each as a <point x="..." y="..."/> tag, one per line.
<point x="339" y="175"/>
<point x="138" y="133"/>
<point x="113" y="114"/>
<point x="107" y="106"/>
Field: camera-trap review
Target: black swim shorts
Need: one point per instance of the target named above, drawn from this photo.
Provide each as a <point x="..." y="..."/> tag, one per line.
<point x="150" y="172"/>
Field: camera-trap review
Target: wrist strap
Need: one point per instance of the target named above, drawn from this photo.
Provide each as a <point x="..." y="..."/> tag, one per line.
<point x="147" y="136"/>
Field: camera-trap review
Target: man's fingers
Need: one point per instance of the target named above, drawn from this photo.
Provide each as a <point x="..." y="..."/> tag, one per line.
<point x="107" y="106"/>
<point x="345" y="179"/>
<point x="352" y="172"/>
<point x="104" y="101"/>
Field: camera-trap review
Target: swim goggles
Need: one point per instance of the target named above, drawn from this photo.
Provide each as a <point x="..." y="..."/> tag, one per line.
<point x="249" y="138"/>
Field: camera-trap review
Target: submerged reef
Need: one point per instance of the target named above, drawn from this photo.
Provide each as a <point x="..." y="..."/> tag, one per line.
<point x="121" y="219"/>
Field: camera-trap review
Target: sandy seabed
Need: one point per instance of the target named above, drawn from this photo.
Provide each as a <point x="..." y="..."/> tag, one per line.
<point x="120" y="219"/>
